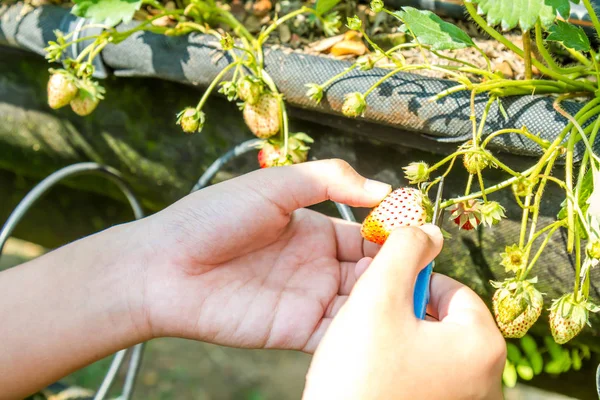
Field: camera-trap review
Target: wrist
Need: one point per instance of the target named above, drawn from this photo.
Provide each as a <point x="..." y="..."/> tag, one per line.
<point x="119" y="278"/>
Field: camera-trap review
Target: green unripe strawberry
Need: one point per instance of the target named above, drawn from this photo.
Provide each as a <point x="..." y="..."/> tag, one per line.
<point x="354" y="105"/>
<point x="517" y="305"/>
<point x="84" y="104"/>
<point x="263" y="117"/>
<point x="416" y="172"/>
<point x="89" y="95"/>
<point x="250" y="89"/>
<point x="61" y="89"/>
<point x="568" y="317"/>
<point x="191" y="120"/>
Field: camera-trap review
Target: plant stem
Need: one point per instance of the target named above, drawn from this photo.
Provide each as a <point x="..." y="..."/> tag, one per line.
<point x="499" y="37"/>
<point x="540" y="142"/>
<point x="538" y="199"/>
<point x="481" y="185"/>
<point x="577" y="265"/>
<point x="586" y="156"/>
<point x="338" y="76"/>
<point x="524" y="220"/>
<point x="265" y="34"/>
<point x="527" y="54"/>
<point x="213" y="84"/>
<point x="539" y="252"/>
<point x="488" y="190"/>
<point x="593" y="16"/>
<point x="469" y="182"/>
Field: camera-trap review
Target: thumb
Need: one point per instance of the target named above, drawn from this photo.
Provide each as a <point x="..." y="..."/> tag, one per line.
<point x="390" y="278"/>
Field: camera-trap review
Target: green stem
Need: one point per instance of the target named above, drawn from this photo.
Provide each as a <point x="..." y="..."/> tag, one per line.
<point x="469" y="182"/>
<point x="524" y="220"/>
<point x="538" y="253"/>
<point x="539" y="40"/>
<point x="265" y="34"/>
<point x="538" y="199"/>
<point x="527" y="54"/>
<point x="586" y="156"/>
<point x="542" y="143"/>
<point x="577" y="55"/>
<point x="383" y="79"/>
<point x="481" y="185"/>
<point x="577" y="265"/>
<point x="213" y="84"/>
<point x="593" y="16"/>
<point x="499" y="37"/>
<point x="488" y="190"/>
<point x="338" y="76"/>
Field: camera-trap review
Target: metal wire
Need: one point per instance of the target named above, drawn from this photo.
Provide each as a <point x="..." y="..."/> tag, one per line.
<point x="30" y="199"/>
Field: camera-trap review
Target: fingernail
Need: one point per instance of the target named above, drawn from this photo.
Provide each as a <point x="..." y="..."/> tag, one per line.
<point x="377" y="189"/>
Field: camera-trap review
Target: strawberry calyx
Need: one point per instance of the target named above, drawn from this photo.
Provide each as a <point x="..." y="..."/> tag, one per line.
<point x="272" y="151"/>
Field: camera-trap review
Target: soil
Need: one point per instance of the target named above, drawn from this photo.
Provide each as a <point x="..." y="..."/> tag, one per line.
<point x="302" y="35"/>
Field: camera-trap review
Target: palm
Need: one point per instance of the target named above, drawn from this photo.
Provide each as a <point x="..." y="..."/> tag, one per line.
<point x="281" y="294"/>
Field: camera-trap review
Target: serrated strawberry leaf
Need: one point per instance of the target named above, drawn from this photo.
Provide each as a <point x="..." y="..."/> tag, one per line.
<point x="324" y="6"/>
<point x="108" y="12"/>
<point x="569" y="35"/>
<point x="524" y="13"/>
<point x="431" y="30"/>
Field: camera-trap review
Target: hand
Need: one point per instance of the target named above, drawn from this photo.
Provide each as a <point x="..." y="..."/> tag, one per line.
<point x="376" y="348"/>
<point x="241" y="264"/>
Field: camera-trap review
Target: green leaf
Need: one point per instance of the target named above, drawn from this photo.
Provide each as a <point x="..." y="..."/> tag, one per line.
<point x="109" y="12"/>
<point x="509" y="375"/>
<point x="570" y="35"/>
<point x="524" y="13"/>
<point x="431" y="30"/>
<point x="324" y="6"/>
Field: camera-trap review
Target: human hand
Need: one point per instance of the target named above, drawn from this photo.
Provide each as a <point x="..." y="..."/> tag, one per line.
<point x="376" y="348"/>
<point x="241" y="264"/>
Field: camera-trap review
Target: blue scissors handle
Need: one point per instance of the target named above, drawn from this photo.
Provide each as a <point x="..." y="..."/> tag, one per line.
<point x="421" y="294"/>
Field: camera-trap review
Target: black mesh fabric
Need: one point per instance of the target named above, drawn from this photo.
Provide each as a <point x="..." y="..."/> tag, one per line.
<point x="401" y="102"/>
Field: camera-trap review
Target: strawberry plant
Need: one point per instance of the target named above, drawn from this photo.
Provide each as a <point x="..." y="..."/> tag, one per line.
<point x="517" y="303"/>
<point x="244" y="79"/>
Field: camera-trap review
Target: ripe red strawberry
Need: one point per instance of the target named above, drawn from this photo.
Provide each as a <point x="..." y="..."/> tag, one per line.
<point x="61" y="89"/>
<point x="403" y="207"/>
<point x="272" y="152"/>
<point x="568" y="316"/>
<point x="263" y="117"/>
<point x="467" y="214"/>
<point x="517" y="305"/>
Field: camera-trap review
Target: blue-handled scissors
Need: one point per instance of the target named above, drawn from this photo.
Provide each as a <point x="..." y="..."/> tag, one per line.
<point x="421" y="295"/>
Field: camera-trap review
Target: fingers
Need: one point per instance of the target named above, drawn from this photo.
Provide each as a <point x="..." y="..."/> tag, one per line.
<point x="305" y="184"/>
<point x="452" y="302"/>
<point x="393" y="271"/>
<point x="350" y="244"/>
